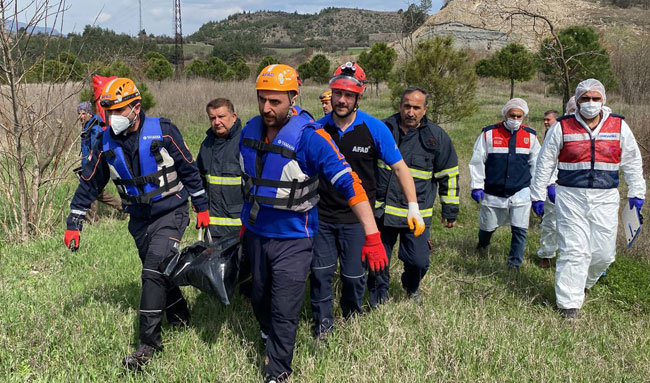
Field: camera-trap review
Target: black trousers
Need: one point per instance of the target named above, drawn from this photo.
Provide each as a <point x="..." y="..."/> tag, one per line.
<point x="413" y="252"/>
<point x="158" y="238"/>
<point x="280" y="268"/>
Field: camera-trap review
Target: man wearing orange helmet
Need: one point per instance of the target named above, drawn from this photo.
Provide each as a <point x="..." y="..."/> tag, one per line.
<point x="283" y="153"/>
<point x="326" y="101"/>
<point x="154" y="173"/>
<point x="363" y="140"/>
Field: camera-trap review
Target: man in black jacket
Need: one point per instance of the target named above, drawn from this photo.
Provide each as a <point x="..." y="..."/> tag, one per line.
<point x="155" y="175"/>
<point x="218" y="163"/>
<point x="432" y="160"/>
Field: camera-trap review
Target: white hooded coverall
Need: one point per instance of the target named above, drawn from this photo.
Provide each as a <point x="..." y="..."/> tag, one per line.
<point x="587" y="218"/>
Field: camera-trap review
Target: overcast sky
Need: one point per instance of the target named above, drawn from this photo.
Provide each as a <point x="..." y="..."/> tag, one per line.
<point x="122" y="15"/>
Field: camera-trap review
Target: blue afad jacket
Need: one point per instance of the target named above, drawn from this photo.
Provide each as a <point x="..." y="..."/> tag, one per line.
<point x="281" y="177"/>
<point x="158" y="177"/>
<point x="89" y="133"/>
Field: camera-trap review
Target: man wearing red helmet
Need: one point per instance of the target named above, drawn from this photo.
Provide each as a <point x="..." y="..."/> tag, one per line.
<point x="363" y="140"/>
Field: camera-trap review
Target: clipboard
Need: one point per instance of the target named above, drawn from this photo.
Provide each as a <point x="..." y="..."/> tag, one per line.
<point x="631" y="223"/>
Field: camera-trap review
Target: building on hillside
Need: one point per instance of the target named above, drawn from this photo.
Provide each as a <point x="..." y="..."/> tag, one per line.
<point x="468" y="36"/>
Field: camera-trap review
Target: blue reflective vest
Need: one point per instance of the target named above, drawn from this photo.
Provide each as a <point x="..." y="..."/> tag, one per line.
<point x="158" y="177"/>
<point x="273" y="178"/>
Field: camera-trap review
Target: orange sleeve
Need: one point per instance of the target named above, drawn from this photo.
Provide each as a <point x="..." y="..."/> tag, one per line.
<point x="359" y="192"/>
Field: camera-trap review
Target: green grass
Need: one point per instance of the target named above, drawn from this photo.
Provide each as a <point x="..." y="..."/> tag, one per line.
<point x="198" y="49"/>
<point x="73" y="316"/>
<point x="286" y="51"/>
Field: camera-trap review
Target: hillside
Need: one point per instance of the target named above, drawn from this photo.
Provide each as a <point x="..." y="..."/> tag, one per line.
<point x="481" y="24"/>
<point x="339" y="26"/>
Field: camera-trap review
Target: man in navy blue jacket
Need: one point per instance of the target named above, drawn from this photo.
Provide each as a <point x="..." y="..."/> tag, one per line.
<point x="155" y="174"/>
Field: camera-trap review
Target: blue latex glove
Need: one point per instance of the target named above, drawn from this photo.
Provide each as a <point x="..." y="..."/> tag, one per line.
<point x="550" y="190"/>
<point x="538" y="207"/>
<point x="478" y="195"/>
<point x="637" y="203"/>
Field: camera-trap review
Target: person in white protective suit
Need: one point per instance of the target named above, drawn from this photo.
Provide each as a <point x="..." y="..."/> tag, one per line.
<point x="501" y="168"/>
<point x="548" y="239"/>
<point x="588" y="147"/>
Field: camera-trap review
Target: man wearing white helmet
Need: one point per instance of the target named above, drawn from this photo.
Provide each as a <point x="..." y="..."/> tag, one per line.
<point x="588" y="147"/>
<point x="501" y="167"/>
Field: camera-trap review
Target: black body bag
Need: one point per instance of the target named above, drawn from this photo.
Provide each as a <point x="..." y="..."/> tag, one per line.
<point x="210" y="267"/>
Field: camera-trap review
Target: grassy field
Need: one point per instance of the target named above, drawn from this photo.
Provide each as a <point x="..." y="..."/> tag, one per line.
<point x="73" y="316"/>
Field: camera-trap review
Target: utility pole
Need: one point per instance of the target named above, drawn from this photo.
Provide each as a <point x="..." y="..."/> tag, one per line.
<point x="140" y="25"/>
<point x="140" y="15"/>
<point x="178" y="38"/>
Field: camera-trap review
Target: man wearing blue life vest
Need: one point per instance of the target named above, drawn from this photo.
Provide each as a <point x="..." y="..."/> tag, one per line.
<point x="91" y="128"/>
<point x="283" y="152"/>
<point x="588" y="148"/>
<point x="155" y="174"/>
<point x="363" y="140"/>
<point x="501" y="167"/>
<point x="432" y="160"/>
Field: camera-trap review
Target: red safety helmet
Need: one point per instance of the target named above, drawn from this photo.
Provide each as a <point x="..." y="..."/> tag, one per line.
<point x="350" y="77"/>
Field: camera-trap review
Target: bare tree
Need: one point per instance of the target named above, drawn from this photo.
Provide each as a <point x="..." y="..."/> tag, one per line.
<point x="541" y="25"/>
<point x="36" y="146"/>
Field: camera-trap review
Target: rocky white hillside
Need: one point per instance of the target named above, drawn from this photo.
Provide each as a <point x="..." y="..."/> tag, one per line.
<point x="484" y="24"/>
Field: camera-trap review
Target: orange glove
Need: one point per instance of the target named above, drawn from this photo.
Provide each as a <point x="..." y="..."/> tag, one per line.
<point x="414" y="219"/>
<point x="374" y="250"/>
<point x="202" y="219"/>
<point x="71" y="239"/>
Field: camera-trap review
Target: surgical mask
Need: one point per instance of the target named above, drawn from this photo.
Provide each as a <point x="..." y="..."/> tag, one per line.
<point x="120" y="123"/>
<point x="513" y="124"/>
<point x="590" y="109"/>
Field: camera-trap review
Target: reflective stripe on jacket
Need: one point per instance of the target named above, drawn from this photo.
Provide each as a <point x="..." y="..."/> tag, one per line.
<point x="590" y="162"/>
<point x="219" y="166"/>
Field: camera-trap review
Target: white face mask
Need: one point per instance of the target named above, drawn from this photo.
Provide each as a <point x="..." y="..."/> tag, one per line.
<point x="590" y="109"/>
<point x="120" y="123"/>
<point x="513" y="124"/>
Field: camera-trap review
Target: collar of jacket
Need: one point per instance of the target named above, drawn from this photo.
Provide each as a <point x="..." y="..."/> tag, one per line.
<point x="394" y="121"/>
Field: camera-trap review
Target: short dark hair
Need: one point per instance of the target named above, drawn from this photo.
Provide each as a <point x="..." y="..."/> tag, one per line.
<point x="412" y="89"/>
<point x="553" y="112"/>
<point x="218" y="103"/>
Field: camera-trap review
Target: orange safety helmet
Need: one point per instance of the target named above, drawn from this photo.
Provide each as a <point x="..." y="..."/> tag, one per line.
<point x="119" y="93"/>
<point x="279" y="77"/>
<point x="350" y="77"/>
<point x="326" y="96"/>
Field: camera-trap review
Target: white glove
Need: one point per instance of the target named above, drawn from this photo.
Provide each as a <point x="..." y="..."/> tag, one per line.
<point x="414" y="219"/>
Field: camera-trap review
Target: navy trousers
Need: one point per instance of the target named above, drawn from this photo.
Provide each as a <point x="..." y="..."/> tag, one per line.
<point x="413" y="252"/>
<point x="336" y="241"/>
<point x="517" y="243"/>
<point x="279" y="268"/>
